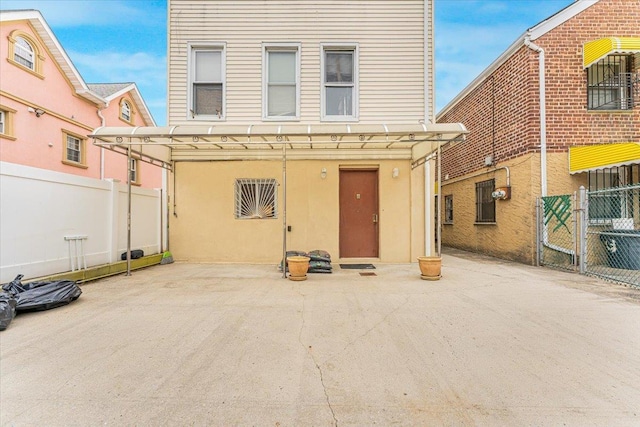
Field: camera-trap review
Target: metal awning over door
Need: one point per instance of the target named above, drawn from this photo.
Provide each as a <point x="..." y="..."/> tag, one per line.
<point x="162" y="145"/>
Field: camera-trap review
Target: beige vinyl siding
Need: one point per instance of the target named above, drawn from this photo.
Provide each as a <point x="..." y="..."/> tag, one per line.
<point x="389" y="35"/>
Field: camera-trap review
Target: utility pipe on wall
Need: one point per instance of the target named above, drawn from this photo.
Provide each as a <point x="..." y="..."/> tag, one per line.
<point x="102" y="124"/>
<point x="543" y="114"/>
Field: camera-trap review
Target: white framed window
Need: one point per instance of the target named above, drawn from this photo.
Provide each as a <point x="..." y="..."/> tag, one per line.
<point x="23" y="53"/>
<point x="125" y="111"/>
<point x="74" y="153"/>
<point x="207" y="82"/>
<point x="256" y="198"/>
<point x="133" y="171"/>
<point x="339" y="65"/>
<point x="281" y="81"/>
<point x="2" y="121"/>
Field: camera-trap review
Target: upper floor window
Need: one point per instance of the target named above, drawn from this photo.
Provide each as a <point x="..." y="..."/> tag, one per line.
<point x="340" y="82"/>
<point x="207" y="83"/>
<point x="74" y="150"/>
<point x="281" y="92"/>
<point x="125" y="111"/>
<point x="610" y="83"/>
<point x="23" y="51"/>
<point x="485" y="204"/>
<point x="2" y="121"/>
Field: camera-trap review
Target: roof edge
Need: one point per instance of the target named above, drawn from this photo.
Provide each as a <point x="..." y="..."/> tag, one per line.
<point x="532" y="33"/>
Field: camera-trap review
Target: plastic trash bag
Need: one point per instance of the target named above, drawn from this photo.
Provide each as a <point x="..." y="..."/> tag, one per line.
<point x="7" y="309"/>
<point x="37" y="296"/>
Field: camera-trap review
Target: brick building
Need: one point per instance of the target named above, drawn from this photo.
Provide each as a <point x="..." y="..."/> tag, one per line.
<point x="559" y="109"/>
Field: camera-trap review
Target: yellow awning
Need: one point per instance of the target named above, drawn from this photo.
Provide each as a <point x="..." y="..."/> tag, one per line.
<point x="591" y="157"/>
<point x="598" y="49"/>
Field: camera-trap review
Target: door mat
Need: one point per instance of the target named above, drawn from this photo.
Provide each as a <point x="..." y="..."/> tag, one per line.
<point x="367" y="273"/>
<point x="357" y="266"/>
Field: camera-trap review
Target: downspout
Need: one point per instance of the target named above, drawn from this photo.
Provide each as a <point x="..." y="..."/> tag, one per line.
<point x="102" y="124"/>
<point x="543" y="114"/>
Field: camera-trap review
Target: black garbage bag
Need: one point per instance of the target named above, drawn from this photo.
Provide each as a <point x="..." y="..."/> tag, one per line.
<point x="319" y="267"/>
<point x="7" y="309"/>
<point x="320" y="255"/>
<point x="37" y="296"/>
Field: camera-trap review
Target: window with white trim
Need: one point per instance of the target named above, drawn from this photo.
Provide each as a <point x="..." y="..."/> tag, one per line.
<point x="485" y="204"/>
<point x="133" y="171"/>
<point x="340" y="82"/>
<point x="207" y="83"/>
<point x="2" y="121"/>
<point x="74" y="149"/>
<point x="23" y="53"/>
<point x="125" y="111"/>
<point x="281" y="92"/>
<point x="255" y="198"/>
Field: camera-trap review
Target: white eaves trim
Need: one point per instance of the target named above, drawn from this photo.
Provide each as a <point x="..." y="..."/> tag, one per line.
<point x="531" y="34"/>
<point x="38" y="22"/>
<point x="137" y="96"/>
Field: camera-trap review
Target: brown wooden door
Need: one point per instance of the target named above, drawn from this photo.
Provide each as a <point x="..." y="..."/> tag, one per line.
<point x="358" y="213"/>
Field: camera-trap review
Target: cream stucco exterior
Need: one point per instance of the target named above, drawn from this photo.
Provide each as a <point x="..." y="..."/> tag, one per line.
<point x="391" y="130"/>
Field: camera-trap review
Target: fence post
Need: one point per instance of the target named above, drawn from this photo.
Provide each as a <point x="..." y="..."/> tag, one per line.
<point x="583" y="222"/>
<point x="538" y="232"/>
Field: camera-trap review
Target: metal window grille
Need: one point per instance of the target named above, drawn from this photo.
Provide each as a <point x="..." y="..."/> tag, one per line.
<point x="255" y="198"/>
<point x="485" y="205"/>
<point x="610" y="83"/>
<point x="448" y="209"/>
<point x="74" y="146"/>
<point x="23" y="53"/>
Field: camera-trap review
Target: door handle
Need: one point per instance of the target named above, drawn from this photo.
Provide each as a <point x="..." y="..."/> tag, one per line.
<point x="375" y="218"/>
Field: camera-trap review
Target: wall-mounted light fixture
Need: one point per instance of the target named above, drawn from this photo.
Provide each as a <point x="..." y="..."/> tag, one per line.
<point x="38" y="111"/>
<point x="395" y="173"/>
<point x="323" y="173"/>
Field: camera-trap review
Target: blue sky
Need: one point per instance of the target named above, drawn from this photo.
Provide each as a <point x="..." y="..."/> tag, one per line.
<point x="125" y="40"/>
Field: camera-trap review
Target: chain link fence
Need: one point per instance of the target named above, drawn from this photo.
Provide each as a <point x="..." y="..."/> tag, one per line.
<point x="595" y="233"/>
<point x="613" y="234"/>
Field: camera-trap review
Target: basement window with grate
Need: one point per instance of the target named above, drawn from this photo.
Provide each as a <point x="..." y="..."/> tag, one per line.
<point x="255" y="198"/>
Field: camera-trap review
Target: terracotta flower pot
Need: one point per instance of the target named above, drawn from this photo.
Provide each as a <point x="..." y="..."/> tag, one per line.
<point x="298" y="267"/>
<point x="430" y="267"/>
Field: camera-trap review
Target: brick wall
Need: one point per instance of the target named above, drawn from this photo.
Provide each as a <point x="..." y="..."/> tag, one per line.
<point x="502" y="113"/>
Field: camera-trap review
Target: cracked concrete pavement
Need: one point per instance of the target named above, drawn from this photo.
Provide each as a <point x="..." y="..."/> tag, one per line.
<point x="491" y="343"/>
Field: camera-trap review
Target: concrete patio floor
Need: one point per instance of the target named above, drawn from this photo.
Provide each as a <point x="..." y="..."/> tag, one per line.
<point x="491" y="343"/>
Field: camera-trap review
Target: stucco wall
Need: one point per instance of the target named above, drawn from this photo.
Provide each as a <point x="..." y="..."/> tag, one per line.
<point x="204" y="227"/>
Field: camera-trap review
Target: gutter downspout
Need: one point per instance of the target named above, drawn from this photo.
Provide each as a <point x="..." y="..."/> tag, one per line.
<point x="102" y="124"/>
<point x="543" y="114"/>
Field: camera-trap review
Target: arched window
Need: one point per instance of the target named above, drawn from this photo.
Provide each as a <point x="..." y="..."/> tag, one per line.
<point x="125" y="111"/>
<point x="25" y="53"/>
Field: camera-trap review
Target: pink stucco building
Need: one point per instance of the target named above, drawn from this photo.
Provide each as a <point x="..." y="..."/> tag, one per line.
<point x="47" y="110"/>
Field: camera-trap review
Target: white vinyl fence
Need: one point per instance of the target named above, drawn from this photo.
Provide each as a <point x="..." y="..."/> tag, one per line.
<point x="52" y="222"/>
